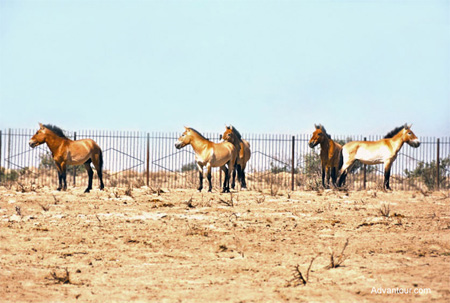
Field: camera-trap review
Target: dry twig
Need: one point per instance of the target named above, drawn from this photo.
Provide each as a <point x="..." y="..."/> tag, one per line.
<point x="337" y="260"/>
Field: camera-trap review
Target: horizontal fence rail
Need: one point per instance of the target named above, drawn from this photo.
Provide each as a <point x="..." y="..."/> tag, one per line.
<point x="278" y="162"/>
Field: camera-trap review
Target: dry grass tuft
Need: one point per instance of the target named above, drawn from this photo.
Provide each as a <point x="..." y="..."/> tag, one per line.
<point x="385" y="210"/>
<point x="229" y="202"/>
<point x="337" y="260"/>
<point x="299" y="278"/>
<point x="60" y="279"/>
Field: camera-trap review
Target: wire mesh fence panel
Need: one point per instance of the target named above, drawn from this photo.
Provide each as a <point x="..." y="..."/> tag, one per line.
<point x="277" y="162"/>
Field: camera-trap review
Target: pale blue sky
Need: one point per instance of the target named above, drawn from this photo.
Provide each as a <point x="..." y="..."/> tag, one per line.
<point x="358" y="67"/>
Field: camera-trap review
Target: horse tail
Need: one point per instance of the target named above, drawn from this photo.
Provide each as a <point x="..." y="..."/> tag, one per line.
<point x="100" y="160"/>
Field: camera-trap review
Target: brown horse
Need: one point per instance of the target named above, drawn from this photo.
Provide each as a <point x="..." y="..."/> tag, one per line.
<point x="330" y="154"/>
<point x="232" y="135"/>
<point x="209" y="154"/>
<point x="383" y="151"/>
<point x="69" y="152"/>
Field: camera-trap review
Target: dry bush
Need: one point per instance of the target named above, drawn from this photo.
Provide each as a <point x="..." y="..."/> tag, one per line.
<point x="260" y="199"/>
<point x="299" y="278"/>
<point x="385" y="210"/>
<point x="336" y="260"/>
<point x="229" y="202"/>
<point x="60" y="279"/>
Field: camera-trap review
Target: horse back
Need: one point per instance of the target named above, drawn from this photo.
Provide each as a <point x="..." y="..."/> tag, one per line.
<point x="224" y="152"/>
<point x="79" y="151"/>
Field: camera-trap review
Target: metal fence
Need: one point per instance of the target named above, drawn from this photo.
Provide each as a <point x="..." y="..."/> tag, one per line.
<point x="277" y="162"/>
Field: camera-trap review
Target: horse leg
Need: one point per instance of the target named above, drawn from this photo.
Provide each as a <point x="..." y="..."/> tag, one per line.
<point x="61" y="167"/>
<point x="98" y="163"/>
<point x="243" y="183"/>
<point x="323" y="176"/>
<point x="59" y="181"/>
<point x="240" y="174"/>
<point x="233" y="183"/>
<point x="333" y="176"/>
<point x="208" y="176"/>
<point x="344" y="171"/>
<point x="90" y="172"/>
<point x="200" y="176"/>
<point x="328" y="176"/>
<point x="387" y="175"/>
<point x="58" y="168"/>
<point x="226" y="181"/>
<point x="64" y="178"/>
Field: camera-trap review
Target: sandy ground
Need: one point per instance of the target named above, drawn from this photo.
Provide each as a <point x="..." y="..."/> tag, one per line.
<point x="147" y="245"/>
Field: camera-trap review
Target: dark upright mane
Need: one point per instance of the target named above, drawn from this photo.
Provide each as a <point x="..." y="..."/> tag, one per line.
<point x="395" y="131"/>
<point x="197" y="132"/>
<point x="58" y="131"/>
<point x="235" y="131"/>
<point x="321" y="127"/>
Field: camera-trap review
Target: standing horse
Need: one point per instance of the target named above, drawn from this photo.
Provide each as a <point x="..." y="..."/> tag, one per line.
<point x="383" y="151"/>
<point x="69" y="152"/>
<point x="232" y="135"/>
<point x="330" y="154"/>
<point x="209" y="154"/>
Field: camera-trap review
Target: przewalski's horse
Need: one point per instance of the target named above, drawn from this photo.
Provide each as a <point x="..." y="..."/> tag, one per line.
<point x="383" y="151"/>
<point x="69" y="152"/>
<point x="232" y="135"/>
<point x="330" y="154"/>
<point x="209" y="154"/>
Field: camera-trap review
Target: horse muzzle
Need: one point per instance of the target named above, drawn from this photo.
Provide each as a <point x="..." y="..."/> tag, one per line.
<point x="313" y="144"/>
<point x="33" y="144"/>
<point x="414" y="143"/>
<point x="179" y="145"/>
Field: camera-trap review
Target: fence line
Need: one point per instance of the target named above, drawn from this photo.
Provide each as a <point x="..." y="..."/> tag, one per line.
<point x="278" y="161"/>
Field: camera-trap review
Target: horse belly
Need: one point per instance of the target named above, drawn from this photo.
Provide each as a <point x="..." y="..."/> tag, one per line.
<point x="79" y="152"/>
<point x="370" y="157"/>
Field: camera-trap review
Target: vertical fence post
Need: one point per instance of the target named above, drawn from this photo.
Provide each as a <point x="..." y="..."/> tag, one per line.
<point x="292" y="165"/>
<point x="74" y="167"/>
<point x="9" y="149"/>
<point x="365" y="170"/>
<point x="148" y="160"/>
<point x="437" y="164"/>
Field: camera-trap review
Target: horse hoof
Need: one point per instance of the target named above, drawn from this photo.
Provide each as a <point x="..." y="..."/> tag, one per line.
<point x="58" y="189"/>
<point x="87" y="190"/>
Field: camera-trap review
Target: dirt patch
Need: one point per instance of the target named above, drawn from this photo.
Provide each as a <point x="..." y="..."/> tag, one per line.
<point x="181" y="245"/>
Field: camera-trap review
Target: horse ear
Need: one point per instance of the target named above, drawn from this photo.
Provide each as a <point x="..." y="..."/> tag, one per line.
<point x="41" y="126"/>
<point x="317" y="127"/>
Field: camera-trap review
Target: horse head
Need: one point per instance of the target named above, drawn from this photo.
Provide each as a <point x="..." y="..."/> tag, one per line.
<point x="228" y="135"/>
<point x="184" y="139"/>
<point x="319" y="135"/>
<point x="39" y="137"/>
<point x="409" y="137"/>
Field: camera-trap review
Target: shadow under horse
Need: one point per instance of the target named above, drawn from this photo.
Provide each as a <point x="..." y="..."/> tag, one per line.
<point x="209" y="154"/>
<point x="70" y="152"/>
